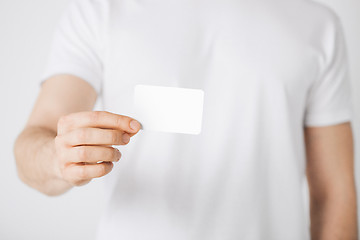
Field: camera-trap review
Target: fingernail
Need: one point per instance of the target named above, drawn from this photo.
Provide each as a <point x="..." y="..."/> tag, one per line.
<point x="118" y="154"/>
<point x="126" y="138"/>
<point x="135" y="125"/>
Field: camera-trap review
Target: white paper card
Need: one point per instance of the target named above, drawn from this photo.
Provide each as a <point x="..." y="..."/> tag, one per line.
<point x="169" y="109"/>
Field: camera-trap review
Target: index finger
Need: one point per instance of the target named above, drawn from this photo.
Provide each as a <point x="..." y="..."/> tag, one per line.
<point x="98" y="119"/>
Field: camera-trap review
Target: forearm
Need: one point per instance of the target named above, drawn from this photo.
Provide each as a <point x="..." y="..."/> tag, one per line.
<point x="333" y="215"/>
<point x="35" y="153"/>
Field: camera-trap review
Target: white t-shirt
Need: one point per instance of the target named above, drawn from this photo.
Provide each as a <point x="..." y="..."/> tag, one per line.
<point x="267" y="68"/>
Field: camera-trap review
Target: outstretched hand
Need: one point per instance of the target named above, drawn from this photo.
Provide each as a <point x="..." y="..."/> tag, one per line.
<point x="84" y="144"/>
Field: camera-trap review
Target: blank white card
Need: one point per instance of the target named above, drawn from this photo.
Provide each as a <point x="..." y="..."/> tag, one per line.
<point x="169" y="109"/>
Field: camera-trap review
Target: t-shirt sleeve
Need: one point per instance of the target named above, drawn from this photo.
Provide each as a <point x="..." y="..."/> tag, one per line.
<point x="329" y="99"/>
<point x="77" y="44"/>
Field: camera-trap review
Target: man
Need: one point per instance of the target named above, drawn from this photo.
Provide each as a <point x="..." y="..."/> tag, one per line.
<point x="276" y="109"/>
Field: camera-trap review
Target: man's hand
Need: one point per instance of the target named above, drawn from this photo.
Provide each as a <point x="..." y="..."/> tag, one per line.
<point x="84" y="143"/>
<point x="64" y="143"/>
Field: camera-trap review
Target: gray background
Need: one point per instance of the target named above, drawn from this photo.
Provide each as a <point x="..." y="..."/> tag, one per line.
<point x="26" y="29"/>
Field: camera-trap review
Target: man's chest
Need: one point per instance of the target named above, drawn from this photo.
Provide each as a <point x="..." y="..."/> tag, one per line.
<point x="221" y="49"/>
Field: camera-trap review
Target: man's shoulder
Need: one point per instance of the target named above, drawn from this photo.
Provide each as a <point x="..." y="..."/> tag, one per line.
<point x="320" y="13"/>
<point x="310" y="21"/>
<point x="90" y="3"/>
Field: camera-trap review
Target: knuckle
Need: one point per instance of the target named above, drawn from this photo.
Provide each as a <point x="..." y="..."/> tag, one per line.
<point x="114" y="137"/>
<point x="102" y="169"/>
<point x="81" y="135"/>
<point x="94" y="116"/>
<point x="119" y="121"/>
<point x="63" y="122"/>
<point x="82" y="154"/>
<point x="82" y="174"/>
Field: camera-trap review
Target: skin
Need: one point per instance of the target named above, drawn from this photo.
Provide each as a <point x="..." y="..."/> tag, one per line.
<point x="330" y="172"/>
<point x="64" y="141"/>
